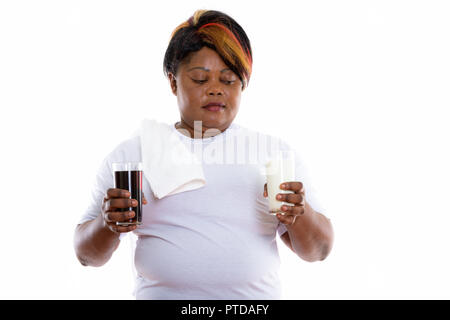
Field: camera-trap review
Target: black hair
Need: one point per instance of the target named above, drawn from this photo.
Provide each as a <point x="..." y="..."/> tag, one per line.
<point x="191" y="36"/>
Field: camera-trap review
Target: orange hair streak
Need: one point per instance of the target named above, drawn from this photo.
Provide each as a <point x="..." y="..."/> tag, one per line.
<point x="244" y="58"/>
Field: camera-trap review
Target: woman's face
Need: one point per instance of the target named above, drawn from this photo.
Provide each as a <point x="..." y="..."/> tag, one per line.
<point x="202" y="79"/>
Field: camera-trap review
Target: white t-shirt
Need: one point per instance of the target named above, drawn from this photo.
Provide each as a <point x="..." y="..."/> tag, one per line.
<point x="215" y="242"/>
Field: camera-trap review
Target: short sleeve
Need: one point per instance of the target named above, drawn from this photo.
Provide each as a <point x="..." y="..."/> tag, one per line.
<point x="302" y="174"/>
<point x="281" y="229"/>
<point x="128" y="150"/>
<point x="102" y="182"/>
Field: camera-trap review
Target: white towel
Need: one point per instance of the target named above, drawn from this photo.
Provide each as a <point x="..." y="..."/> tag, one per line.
<point x="168" y="165"/>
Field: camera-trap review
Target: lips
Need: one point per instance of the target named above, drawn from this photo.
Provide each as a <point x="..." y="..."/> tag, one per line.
<point x="214" y="106"/>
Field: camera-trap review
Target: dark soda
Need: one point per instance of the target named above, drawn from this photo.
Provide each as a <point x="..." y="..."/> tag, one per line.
<point x="131" y="181"/>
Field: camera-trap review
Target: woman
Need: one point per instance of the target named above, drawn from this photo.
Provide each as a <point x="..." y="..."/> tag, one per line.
<point x="216" y="242"/>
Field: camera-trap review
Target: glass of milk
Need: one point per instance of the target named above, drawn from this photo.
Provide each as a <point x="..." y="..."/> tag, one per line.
<point x="279" y="169"/>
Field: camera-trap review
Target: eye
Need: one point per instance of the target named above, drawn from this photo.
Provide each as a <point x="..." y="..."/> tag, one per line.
<point x="199" y="81"/>
<point x="228" y="81"/>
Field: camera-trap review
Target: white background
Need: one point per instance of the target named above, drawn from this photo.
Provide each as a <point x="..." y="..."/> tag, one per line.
<point x="361" y="87"/>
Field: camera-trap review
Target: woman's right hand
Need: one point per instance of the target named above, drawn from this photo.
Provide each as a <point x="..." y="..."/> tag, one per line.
<point x="117" y="199"/>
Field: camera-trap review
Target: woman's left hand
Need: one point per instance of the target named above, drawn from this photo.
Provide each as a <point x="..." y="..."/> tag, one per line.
<point x="297" y="199"/>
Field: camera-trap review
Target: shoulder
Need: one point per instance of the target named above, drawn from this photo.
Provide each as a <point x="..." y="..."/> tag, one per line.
<point x="126" y="150"/>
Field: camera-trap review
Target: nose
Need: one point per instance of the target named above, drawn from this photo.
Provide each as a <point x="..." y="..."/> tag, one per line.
<point x="215" y="89"/>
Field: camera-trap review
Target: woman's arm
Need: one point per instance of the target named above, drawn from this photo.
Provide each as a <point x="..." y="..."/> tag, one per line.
<point x="309" y="233"/>
<point x="310" y="236"/>
<point x="95" y="242"/>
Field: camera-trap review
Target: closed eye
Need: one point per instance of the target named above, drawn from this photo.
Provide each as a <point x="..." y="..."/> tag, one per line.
<point x="228" y="81"/>
<point x="199" y="81"/>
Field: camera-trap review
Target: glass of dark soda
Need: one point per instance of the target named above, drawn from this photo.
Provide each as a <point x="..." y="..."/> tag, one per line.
<point x="128" y="176"/>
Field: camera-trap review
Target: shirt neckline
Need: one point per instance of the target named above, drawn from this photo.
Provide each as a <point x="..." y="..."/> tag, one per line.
<point x="203" y="140"/>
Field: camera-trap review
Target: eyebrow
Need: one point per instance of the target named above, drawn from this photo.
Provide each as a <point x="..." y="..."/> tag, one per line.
<point x="206" y="69"/>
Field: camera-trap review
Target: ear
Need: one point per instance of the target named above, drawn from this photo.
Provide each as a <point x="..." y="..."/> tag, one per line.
<point x="173" y="83"/>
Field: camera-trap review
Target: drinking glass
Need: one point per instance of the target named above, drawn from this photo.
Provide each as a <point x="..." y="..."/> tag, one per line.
<point x="128" y="176"/>
<point x="279" y="169"/>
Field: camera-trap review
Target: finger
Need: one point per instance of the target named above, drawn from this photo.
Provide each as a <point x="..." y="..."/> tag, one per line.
<point x="295" y="186"/>
<point x="119" y="216"/>
<point x="287" y="209"/>
<point x="286" y="219"/>
<point x="293" y="210"/>
<point x="116" y="193"/>
<point x="290" y="197"/>
<point x="120" y="203"/>
<point x="122" y="229"/>
<point x="144" y="201"/>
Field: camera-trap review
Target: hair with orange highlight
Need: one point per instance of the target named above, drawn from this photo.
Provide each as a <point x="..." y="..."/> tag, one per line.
<point x="215" y="30"/>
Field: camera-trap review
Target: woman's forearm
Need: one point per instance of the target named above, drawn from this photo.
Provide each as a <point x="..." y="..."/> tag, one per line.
<point x="311" y="235"/>
<point x="94" y="242"/>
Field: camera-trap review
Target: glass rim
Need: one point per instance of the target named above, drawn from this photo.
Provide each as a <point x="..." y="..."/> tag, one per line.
<point x="127" y="166"/>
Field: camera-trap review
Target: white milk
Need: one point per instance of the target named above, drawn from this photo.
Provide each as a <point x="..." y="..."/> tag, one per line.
<point x="279" y="169"/>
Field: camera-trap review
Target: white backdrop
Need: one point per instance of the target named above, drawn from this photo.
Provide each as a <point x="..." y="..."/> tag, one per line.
<point x="362" y="87"/>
